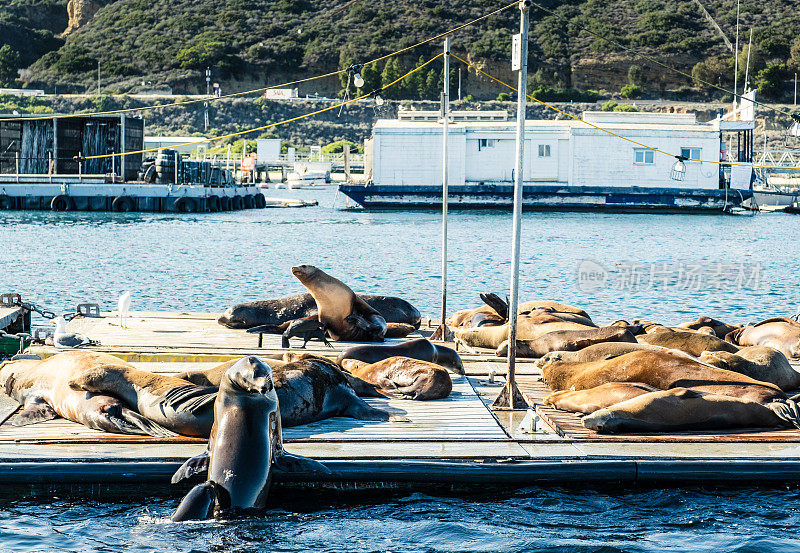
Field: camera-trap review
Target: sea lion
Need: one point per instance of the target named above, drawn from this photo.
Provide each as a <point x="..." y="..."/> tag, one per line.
<point x="308" y="329"/>
<point x="596" y="352"/>
<point x="719" y="328"/>
<point x="660" y="369"/>
<point x="692" y="343"/>
<point x="283" y="310"/>
<point x="760" y="362"/>
<point x="345" y="315"/>
<point x="494" y="312"/>
<point x="528" y="328"/>
<point x="681" y="409"/>
<point x="245" y="443"/>
<point x="174" y="403"/>
<point x="41" y="386"/>
<point x="404" y="378"/>
<point x="309" y="387"/>
<point x="421" y="349"/>
<point x="567" y="340"/>
<point x="780" y="333"/>
<point x="605" y="395"/>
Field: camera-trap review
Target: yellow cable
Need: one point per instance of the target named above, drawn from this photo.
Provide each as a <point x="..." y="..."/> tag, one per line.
<point x="482" y="72"/>
<point x="271" y="125"/>
<point x="255" y="90"/>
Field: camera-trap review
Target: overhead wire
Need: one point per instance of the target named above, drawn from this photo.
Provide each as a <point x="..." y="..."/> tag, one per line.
<point x="262" y="89"/>
<point x="607" y="131"/>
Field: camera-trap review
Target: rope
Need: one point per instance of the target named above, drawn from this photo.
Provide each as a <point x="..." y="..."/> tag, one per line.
<point x="263" y="89"/>
<point x="271" y="125"/>
<point x="612" y="133"/>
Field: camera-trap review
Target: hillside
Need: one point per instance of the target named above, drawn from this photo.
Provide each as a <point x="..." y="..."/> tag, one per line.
<point x="249" y="43"/>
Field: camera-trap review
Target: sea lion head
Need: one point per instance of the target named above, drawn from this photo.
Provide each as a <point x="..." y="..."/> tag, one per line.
<point x="304" y="272"/>
<point x="97" y="379"/>
<point x="721" y="359"/>
<point x="249" y="374"/>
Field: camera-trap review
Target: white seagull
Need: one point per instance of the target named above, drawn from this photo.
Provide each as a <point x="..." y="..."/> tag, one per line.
<point x="62" y="340"/>
<point x="122" y="308"/>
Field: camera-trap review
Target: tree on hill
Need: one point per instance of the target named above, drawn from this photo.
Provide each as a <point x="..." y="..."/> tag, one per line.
<point x="9" y="65"/>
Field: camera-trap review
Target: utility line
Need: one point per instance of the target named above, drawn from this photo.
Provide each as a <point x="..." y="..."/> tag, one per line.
<point x="259" y="90"/>
<point x="271" y="125"/>
<point x="794" y="116"/>
<point x="612" y="133"/>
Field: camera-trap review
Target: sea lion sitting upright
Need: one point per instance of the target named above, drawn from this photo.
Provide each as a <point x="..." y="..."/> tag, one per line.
<point x="692" y="343"/>
<point x="421" y="349"/>
<point x="245" y="443"/>
<point x="760" y="362"/>
<point x="780" y="333"/>
<point x="42" y="387"/>
<point x="345" y="315"/>
<point x="681" y="409"/>
<point x="403" y="377"/>
<point x="309" y="387"/>
<point x="567" y="340"/>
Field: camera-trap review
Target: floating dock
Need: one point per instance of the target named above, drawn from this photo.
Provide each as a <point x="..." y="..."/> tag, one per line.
<point x="455" y="442"/>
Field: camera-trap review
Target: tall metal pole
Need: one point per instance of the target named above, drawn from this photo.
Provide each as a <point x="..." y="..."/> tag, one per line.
<point x="98" y="77"/>
<point x="795" y="89"/>
<point x="511" y="397"/>
<point x="736" y="59"/>
<point x="444" y="333"/>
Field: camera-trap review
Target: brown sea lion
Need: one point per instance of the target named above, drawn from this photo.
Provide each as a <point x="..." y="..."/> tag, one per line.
<point x="605" y="395"/>
<point x="494" y="312"/>
<point x="309" y="387"/>
<point x="681" y="409"/>
<point x="421" y="349"/>
<point x="567" y="340"/>
<point x="245" y="442"/>
<point x="660" y="369"/>
<point x="692" y="343"/>
<point x="345" y="315"/>
<point x="597" y="352"/>
<point x="780" y="333"/>
<point x="42" y="387"/>
<point x="403" y="377"/>
<point x="528" y="328"/>
<point x="174" y="403"/>
<point x="760" y="362"/>
<point x="719" y="328"/>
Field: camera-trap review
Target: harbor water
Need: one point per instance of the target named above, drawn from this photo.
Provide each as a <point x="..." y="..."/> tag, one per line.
<point x="668" y="268"/>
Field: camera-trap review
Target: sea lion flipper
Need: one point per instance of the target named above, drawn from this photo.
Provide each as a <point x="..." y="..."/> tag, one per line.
<point x="127" y="421"/>
<point x="786" y="410"/>
<point x="499" y="306"/>
<point x="33" y="412"/>
<point x="190" y="398"/>
<point x="193" y="466"/>
<point x="288" y="462"/>
<point x="198" y="503"/>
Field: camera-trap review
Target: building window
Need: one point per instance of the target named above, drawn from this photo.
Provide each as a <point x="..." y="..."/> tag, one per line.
<point x="486" y="143"/>
<point x="544" y="150"/>
<point x="643" y="156"/>
<point x="691" y="153"/>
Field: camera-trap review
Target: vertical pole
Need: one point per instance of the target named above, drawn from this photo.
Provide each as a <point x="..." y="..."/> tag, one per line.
<point x="510" y="397"/>
<point x="459" y="84"/>
<point x="55" y="145"/>
<point x="795" y="89"/>
<point x="122" y="137"/>
<point x="98" y="77"/>
<point x="176" y="169"/>
<point x="444" y="333"/>
<point x="736" y="62"/>
<point x="346" y="155"/>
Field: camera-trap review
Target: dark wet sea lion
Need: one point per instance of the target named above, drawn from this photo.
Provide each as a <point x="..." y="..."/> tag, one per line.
<point x="605" y="395"/>
<point x="308" y="329"/>
<point x="681" y="409"/>
<point x="42" y="387"/>
<point x="345" y="315"/>
<point x="174" y="403"/>
<point x="567" y="340"/>
<point x="779" y="332"/>
<point x="244" y="444"/>
<point x="310" y="388"/>
<point x="760" y="362"/>
<point x="528" y="328"/>
<point x="692" y="343"/>
<point x="421" y="349"/>
<point x="403" y="377"/>
<point x="660" y="369"/>
<point x="597" y="352"/>
<point x="719" y="328"/>
<point x="495" y="313"/>
<point x="283" y="310"/>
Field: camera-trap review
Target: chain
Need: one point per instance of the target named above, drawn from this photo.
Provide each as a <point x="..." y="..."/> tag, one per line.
<point x="21" y="336"/>
<point x="47" y="314"/>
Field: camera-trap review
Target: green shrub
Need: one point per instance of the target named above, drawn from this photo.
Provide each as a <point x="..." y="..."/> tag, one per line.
<point x="609" y="105"/>
<point x="631" y="91"/>
<point x="503" y="97"/>
<point x="624" y="108"/>
<point x="337" y="147"/>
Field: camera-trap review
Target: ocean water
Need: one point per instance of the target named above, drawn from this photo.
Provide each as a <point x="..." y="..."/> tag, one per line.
<point x="669" y="268"/>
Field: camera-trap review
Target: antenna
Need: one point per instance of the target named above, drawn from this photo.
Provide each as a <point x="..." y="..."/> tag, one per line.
<point x="736" y="59"/>
<point x="747" y="66"/>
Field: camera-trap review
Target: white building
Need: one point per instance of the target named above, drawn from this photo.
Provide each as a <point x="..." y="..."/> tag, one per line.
<point x="408" y="151"/>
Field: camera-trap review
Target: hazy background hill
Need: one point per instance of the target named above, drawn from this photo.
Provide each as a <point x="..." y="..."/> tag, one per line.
<point x="250" y="43"/>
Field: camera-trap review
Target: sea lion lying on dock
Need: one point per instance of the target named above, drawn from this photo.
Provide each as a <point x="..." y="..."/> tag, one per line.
<point x="310" y="388"/>
<point x="681" y="409"/>
<point x="597" y="352"/>
<point x="760" y="362"/>
<point x="403" y="378"/>
<point x="719" y="328"/>
<point x="691" y="342"/>
<point x="421" y="349"/>
<point x="567" y="340"/>
<point x="494" y="312"/>
<point x="528" y="328"/>
<point x="605" y="395"/>
<point x="245" y="442"/>
<point x="281" y="311"/>
<point x="780" y="333"/>
<point x="42" y="387"/>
